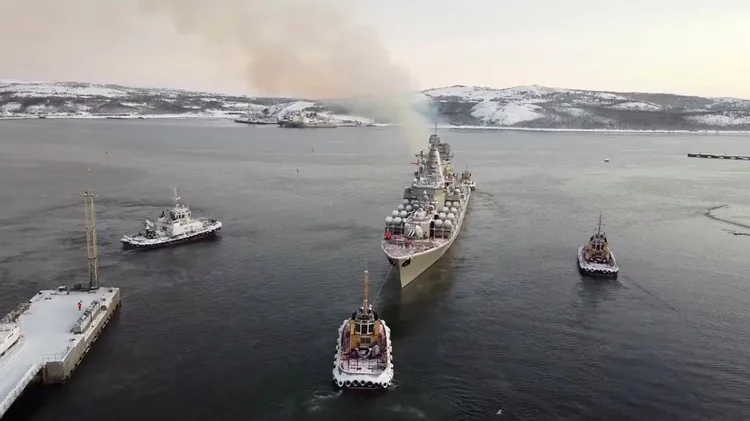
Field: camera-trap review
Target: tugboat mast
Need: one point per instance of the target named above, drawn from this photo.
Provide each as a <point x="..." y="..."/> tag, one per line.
<point x="599" y="228"/>
<point x="367" y="291"/>
<point x="93" y="255"/>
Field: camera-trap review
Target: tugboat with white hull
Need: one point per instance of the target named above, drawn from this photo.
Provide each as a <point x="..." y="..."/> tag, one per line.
<point x="425" y="226"/>
<point x="596" y="258"/>
<point x="173" y="227"/>
<point x="468" y="179"/>
<point x="363" y="350"/>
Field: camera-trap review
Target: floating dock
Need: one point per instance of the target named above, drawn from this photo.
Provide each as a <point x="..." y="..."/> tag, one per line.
<point x="46" y="338"/>
<point x="52" y="338"/>
<point x="719" y="156"/>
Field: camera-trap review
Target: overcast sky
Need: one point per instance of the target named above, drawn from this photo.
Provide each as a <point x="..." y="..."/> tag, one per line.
<point x="688" y="46"/>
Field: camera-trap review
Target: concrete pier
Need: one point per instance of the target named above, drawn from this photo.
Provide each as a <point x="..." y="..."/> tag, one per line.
<point x="46" y="338"/>
<point x="719" y="156"/>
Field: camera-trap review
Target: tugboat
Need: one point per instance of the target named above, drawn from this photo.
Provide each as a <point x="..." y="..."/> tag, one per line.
<point x="468" y="179"/>
<point x="363" y="350"/>
<point x="596" y="259"/>
<point x="177" y="226"/>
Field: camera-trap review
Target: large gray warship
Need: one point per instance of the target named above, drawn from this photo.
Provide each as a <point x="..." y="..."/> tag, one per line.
<point x="424" y="227"/>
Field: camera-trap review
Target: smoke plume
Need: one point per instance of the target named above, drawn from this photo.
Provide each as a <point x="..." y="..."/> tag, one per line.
<point x="304" y="48"/>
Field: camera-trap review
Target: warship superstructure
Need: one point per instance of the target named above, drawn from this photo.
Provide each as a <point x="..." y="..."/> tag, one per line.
<point x="174" y="226"/>
<point x="428" y="221"/>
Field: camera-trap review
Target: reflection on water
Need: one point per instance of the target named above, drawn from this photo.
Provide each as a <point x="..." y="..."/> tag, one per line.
<point x="405" y="308"/>
<point x="594" y="291"/>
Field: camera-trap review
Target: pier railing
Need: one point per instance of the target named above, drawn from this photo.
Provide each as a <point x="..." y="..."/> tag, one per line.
<point x="8" y="400"/>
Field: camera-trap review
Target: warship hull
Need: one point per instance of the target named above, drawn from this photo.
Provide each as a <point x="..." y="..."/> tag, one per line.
<point x="300" y="125"/>
<point x="410" y="267"/>
<point x="253" y="122"/>
<point x="129" y="242"/>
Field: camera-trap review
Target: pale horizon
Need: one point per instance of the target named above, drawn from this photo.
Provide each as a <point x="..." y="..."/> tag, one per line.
<point x="685" y="48"/>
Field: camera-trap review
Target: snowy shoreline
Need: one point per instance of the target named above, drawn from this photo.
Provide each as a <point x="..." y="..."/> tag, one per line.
<point x="439" y="126"/>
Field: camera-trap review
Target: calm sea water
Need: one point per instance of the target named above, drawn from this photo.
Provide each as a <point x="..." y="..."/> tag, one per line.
<point x="244" y="327"/>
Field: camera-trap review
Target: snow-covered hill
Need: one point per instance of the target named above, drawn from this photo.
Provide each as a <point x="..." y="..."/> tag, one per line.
<point x="522" y="107"/>
<point x="85" y="100"/>
<point x="542" y="107"/>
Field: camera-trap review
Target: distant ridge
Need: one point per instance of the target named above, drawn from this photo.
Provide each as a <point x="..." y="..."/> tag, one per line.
<point x="532" y="106"/>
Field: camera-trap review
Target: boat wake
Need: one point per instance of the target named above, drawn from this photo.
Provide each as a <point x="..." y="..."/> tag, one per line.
<point x="711" y="213"/>
<point x="323" y="395"/>
<point x="319" y="398"/>
<point x="647" y="292"/>
<point x="410" y="410"/>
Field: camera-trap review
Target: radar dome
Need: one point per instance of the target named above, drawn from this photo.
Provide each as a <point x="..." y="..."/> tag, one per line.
<point x="441" y="215"/>
<point x="445" y="209"/>
<point x="394" y="213"/>
<point x="448" y="224"/>
<point x="406" y="201"/>
<point x="425" y="198"/>
<point x="454" y="210"/>
<point x="415" y="180"/>
<point x="397" y="221"/>
<point x="438" y="223"/>
<point x="402" y="214"/>
<point x="451" y="216"/>
<point x="458" y="191"/>
<point x="388" y="220"/>
<point x="400" y="207"/>
<point x="409" y="208"/>
<point x="448" y="204"/>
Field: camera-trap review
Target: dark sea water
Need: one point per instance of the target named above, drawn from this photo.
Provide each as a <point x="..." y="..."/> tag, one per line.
<point x="244" y="327"/>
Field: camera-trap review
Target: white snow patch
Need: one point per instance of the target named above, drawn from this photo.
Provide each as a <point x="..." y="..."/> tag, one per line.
<point x="505" y="114"/>
<point x="475" y="93"/>
<point x="35" y="90"/>
<point x="342" y="117"/>
<point x="11" y="106"/>
<point x="576" y="112"/>
<point x="290" y="107"/>
<point x="636" y="105"/>
<point x="604" y="95"/>
<point x="720" y="119"/>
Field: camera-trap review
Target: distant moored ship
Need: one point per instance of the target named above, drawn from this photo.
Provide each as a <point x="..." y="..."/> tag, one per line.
<point x="307" y="121"/>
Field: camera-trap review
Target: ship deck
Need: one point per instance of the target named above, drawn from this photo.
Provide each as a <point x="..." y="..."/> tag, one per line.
<point x="395" y="248"/>
<point x="162" y="238"/>
<point x="597" y="266"/>
<point x="372" y="366"/>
